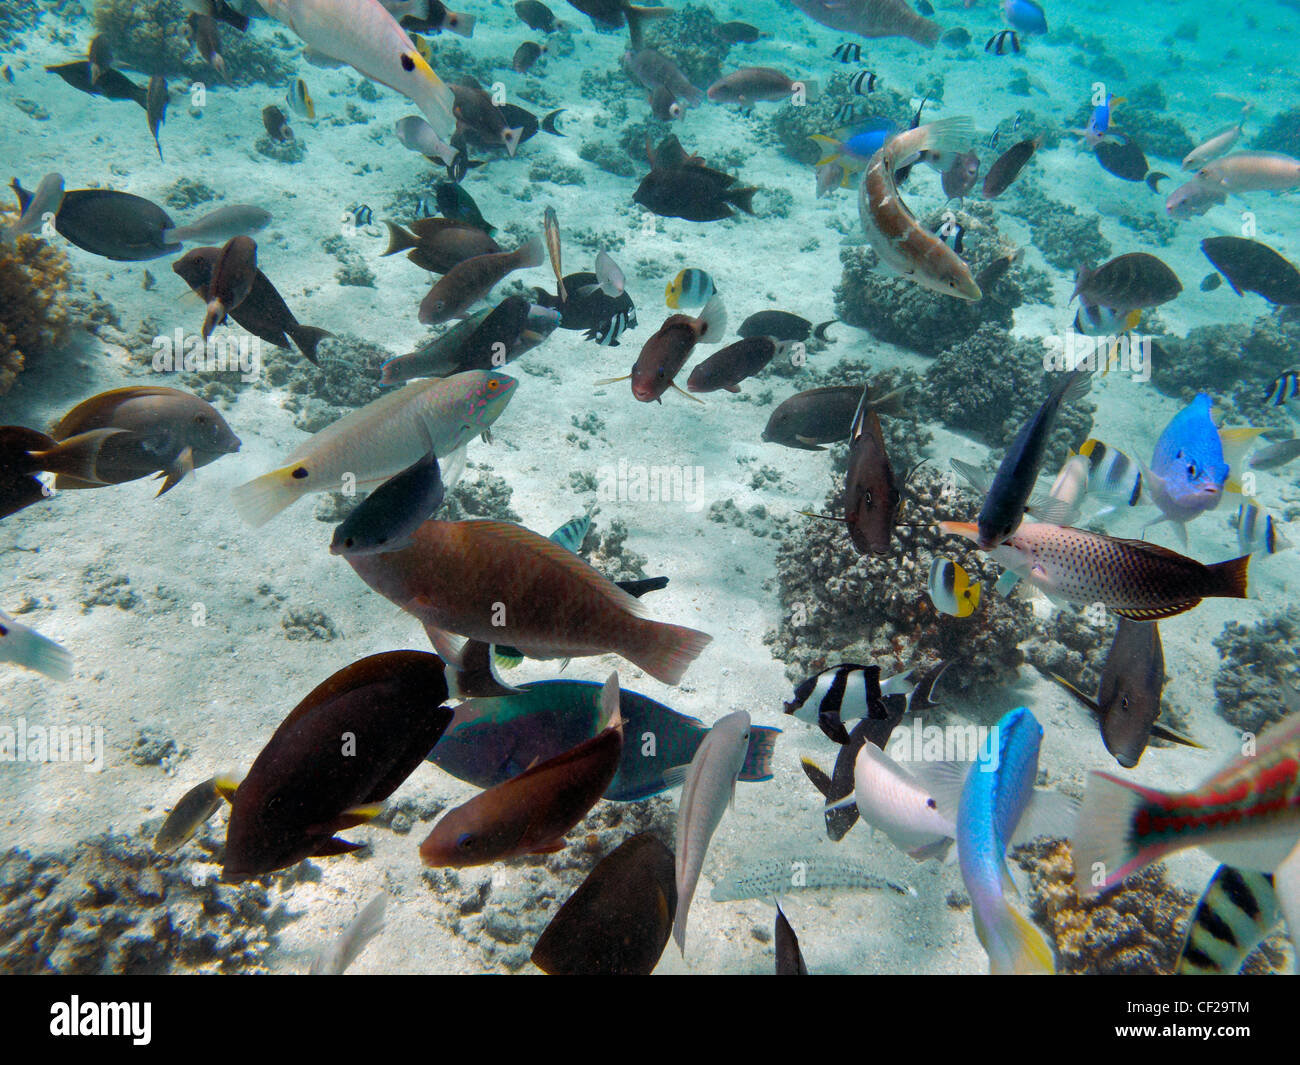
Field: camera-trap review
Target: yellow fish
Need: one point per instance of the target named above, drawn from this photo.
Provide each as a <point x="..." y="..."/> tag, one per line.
<point x="951" y="589"/>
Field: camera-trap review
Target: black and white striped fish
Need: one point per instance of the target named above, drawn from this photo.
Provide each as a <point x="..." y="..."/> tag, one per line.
<point x="361" y="215"/>
<point x="848" y="52"/>
<point x="843" y="693"/>
<point x="863" y="82"/>
<point x="1239" y="908"/>
<point x="1003" y="42"/>
<point x="608" y="332"/>
<point x="1284" y="389"/>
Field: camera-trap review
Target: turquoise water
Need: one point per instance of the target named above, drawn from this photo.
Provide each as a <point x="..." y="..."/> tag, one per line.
<point x="193" y="622"/>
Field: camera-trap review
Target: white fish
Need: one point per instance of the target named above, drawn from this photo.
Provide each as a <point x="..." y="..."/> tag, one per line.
<point x="27" y="647"/>
<point x="334" y="958"/>
<point x="221" y="225"/>
<point x="611" y="279"/>
<point x="381" y="439"/>
<point x="1071" y="486"/>
<point x="365" y="36"/>
<point x="710" y="785"/>
<point x="1212" y="148"/>
<point x="892" y="799"/>
<point x="46" y="200"/>
<point x="1251" y="172"/>
<point x="417" y="135"/>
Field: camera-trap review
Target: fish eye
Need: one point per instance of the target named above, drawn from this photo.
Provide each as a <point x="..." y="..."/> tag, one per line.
<point x="1191" y="469"/>
<point x="493" y="385"/>
<point x="408" y="64"/>
<point x="464" y="841"/>
<point x="349" y="542"/>
<point x="300" y="473"/>
<point x="931" y="804"/>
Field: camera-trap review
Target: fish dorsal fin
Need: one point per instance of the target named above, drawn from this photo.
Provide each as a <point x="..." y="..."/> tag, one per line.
<point x="943" y="780"/>
<point x="977" y="478"/>
<point x="1047" y="813"/>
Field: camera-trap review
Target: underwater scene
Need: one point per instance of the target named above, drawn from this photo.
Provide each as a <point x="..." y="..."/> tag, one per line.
<point x="735" y="487"/>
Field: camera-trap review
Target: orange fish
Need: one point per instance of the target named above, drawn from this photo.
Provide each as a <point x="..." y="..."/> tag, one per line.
<point x="504" y="584"/>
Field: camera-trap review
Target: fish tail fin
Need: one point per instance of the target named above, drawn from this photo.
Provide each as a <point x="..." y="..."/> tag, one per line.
<point x="742" y="198"/>
<point x="260" y="500"/>
<point x="398" y="239"/>
<point x="460" y="23"/>
<point x="307" y="337"/>
<point x="1230" y="578"/>
<point x="954" y="134"/>
<point x="1024" y="949"/>
<point x="77" y="456"/>
<point x="531" y="253"/>
<point x="713" y="320"/>
<point x="511" y="138"/>
<point x="758" y="759"/>
<point x="1107" y="844"/>
<point x="40" y="653"/>
<point x="835" y="148"/>
<point x="636" y="15"/>
<point x="817" y="775"/>
<point x="666" y="651"/>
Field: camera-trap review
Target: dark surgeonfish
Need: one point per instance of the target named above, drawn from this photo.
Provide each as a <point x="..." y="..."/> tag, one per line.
<point x="789" y="958"/>
<point x="1124" y="159"/>
<point x="618" y="921"/>
<point x="1238" y="910"/>
<point x="387" y="518"/>
<point x="875" y="727"/>
<point x="871" y="495"/>
<point x="155" y="106"/>
<point x="1128" y="697"/>
<point x="110" y="83"/>
<point x="782" y="325"/>
<point x="807" y="420"/>
<point x="495" y="739"/>
<point x="117" y="225"/>
<point x="26" y="452"/>
<point x="262" y="311"/>
<point x="438" y="244"/>
<point x="587" y="308"/>
<point x="337" y="756"/>
<point x="161" y="431"/>
<point x="681" y="186"/>
<point x="1250" y="266"/>
<point x="1006" y="168"/>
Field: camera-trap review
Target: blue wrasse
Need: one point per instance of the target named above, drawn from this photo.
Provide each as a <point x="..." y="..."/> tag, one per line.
<point x="1025" y="15"/>
<point x="994" y="798"/>
<point x="1189" y="468"/>
<point x="492" y="740"/>
<point x="854" y="149"/>
<point x="1007" y="495"/>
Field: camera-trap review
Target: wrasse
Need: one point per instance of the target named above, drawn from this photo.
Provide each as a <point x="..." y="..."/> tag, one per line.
<point x="1247" y="815"/>
<point x="894" y="232"/>
<point x="1132" y="578"/>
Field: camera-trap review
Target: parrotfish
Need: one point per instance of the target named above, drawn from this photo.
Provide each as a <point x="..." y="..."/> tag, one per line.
<point x="872" y="18"/>
<point x="619" y="920"/>
<point x="530" y="813"/>
<point x="341" y="752"/>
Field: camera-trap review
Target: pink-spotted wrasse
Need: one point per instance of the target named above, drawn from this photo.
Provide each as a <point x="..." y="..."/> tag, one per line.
<point x="1128" y="696"/>
<point x="1246" y="815"/>
<point x="1007" y="497"/>
<point x="497" y="738"/>
<point x="308" y="783"/>
<point x="1237" y="912"/>
<point x="587" y="309"/>
<point x="1132" y="578"/>
<point x="262" y="311"/>
<point x="871" y="495"/>
<point x="874" y="728"/>
<point x="903" y="243"/>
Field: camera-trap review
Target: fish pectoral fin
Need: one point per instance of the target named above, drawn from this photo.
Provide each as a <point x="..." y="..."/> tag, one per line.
<point x="549" y="847"/>
<point x="357" y="815"/>
<point x="1164" y="732"/>
<point x="1052" y="511"/>
<point x="676" y="776"/>
<point x="1047" y="813"/>
<point x="811" y="445"/>
<point x="978" y="479"/>
<point x="334" y="846"/>
<point x="176" y="472"/>
<point x="1009" y="579"/>
<point x="817" y="775"/>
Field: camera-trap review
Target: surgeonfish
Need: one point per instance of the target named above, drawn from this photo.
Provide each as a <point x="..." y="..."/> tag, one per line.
<point x="365" y="36"/>
<point x="189" y="814"/>
<point x="530" y="813"/>
<point x="765" y="878"/>
<point x="335" y="957"/>
<point x="374" y="442"/>
<point x="386" y="519"/>
<point x="950" y="588"/>
<point x="1132" y="578"/>
<point x="993" y="801"/>
<point x="901" y="241"/>
<point x="708" y="790"/>
<point x="310" y="781"/>
<point x="1236" y="912"/>
<point x="26" y="647"/>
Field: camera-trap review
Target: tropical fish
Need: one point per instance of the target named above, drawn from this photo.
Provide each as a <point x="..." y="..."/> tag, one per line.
<point x="1132" y="578"/>
<point x="431" y="16"/>
<point x="115" y="225"/>
<point x="468" y="577"/>
<point x="1112" y="475"/>
<point x="1128" y="282"/>
<point x="335" y="957"/>
<point x="1275" y="455"/>
<point x="613" y="14"/>
<point x="691" y="190"/>
<point x="609" y="277"/>
<point x="311" y="780"/>
<point x="1213" y="148"/>
<point x="728" y="366"/>
<point x="374" y="442"/>
<point x="218" y="10"/>
<point x="666" y="352"/>
<point x="109" y="83"/>
<point x="1192" y="199"/>
<point x="739" y="33"/>
<point x="525" y="56"/>
<point x="807" y="420"/>
<point x="1284" y="389"/>
<point x="207" y="41"/>
<point x="300" y="101"/>
<point x="846" y="692"/>
<point x="388" y="516"/>
<point x="853" y="150"/>
<point x="494" y="739"/>
<point x="950" y="588"/>
<point x="439" y="244"/>
<point x="655" y="71"/>
<point x="872" y="18"/>
<point x="190" y="814"/>
<point x="530" y="813"/>
<point x="766" y="878"/>
<point x="156" y="108"/>
<point x="233" y="273"/>
<point x="366" y="37"/>
<point x="417" y="135"/>
<point x="1128" y="695"/>
<point x="161" y="431"/>
<point x="1250" y="266"/>
<point x="619" y="920"/>
<point x="1122" y="157"/>
<point x="871" y="495"/>
<point x="1007" y="167"/>
<point x="1234" y="915"/>
<point x="960" y="175"/>
<point x="900" y="241"/>
<point x="1071" y="487"/>
<point x="25" y="452"/>
<point x="223" y="224"/>
<point x="1025" y="15"/>
<point x="477" y="114"/>
<point x="789" y="958"/>
<point x="782" y="325"/>
<point x="1250" y="172"/>
<point x="889" y="797"/>
<point x="472" y="280"/>
<point x="1257" y="531"/>
<point x="34" y="208"/>
<point x="537" y="16"/>
<point x="26" y="647"/>
<point x="599" y="317"/>
<point x="709" y="788"/>
<point x="1247" y="815"/>
<point x="847" y="52"/>
<point x="1004" y="42"/>
<point x="752" y="84"/>
<point x="993" y="801"/>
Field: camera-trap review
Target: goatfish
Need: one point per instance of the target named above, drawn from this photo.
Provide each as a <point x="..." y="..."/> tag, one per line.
<point x="530" y="813"/>
<point x="993" y="801"/>
<point x="364" y="35"/>
<point x="494" y="582"/>
<point x="1246" y="815"/>
<point x="901" y="241"/>
<point x="1128" y="696"/>
<point x="709" y="788"/>
<point x="767" y="878"/>
<point x="1235" y="914"/>
<point x="950" y="588"/>
<point x="190" y="814"/>
<point x="381" y="439"/>
<point x="28" y="648"/>
<point x="666" y="352"/>
<point x="1132" y="578"/>
<point x="1007" y="496"/>
<point x="494" y="739"/>
<point x="1257" y="530"/>
<point x="306" y="784"/>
